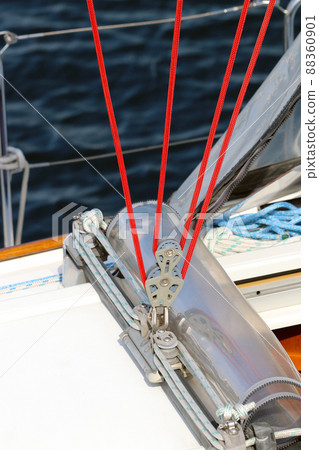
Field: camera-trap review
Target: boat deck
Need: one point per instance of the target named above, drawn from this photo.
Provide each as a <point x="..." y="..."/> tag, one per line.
<point x="66" y="379"/>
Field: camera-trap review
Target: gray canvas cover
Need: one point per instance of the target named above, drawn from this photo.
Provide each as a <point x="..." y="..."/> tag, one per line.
<point x="278" y="94"/>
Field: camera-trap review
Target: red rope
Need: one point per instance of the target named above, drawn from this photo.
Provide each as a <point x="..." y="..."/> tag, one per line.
<point x="168" y="117"/>
<point x="116" y="139"/>
<point x="228" y="135"/>
<point x="215" y="121"/>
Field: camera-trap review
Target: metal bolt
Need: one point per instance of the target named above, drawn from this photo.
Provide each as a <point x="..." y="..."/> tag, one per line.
<point x="166" y="340"/>
<point x="169" y="252"/>
<point x="164" y="282"/>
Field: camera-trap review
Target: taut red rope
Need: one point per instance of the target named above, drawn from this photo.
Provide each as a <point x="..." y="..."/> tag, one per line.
<point x="228" y="135"/>
<point x="168" y="117"/>
<point x="116" y="139"/>
<point x="215" y="121"/>
<point x="169" y="107"/>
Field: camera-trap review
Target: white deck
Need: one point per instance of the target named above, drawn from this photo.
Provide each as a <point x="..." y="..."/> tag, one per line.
<point x="67" y="382"/>
<point x="278" y="309"/>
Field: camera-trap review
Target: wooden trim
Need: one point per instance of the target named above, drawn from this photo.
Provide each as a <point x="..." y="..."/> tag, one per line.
<point x="31" y="248"/>
<point x="290" y="339"/>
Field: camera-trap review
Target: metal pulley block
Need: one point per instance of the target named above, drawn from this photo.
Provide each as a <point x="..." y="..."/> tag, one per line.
<point x="167" y="342"/>
<point x="164" y="282"/>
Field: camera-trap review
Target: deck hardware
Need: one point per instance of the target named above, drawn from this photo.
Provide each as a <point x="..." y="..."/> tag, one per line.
<point x="233" y="435"/>
<point x="167" y="342"/>
<point x="230" y="427"/>
<point x="10" y="38"/>
<point x="164" y="282"/>
<point x="142" y="352"/>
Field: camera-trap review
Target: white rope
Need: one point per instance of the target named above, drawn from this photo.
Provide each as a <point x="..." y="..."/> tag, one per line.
<point x="92" y="222"/>
<point x="126" y="273"/>
<point x="221" y="241"/>
<point x="105" y="282"/>
<point x="237" y="412"/>
<point x="283" y="434"/>
<point x="288" y="433"/>
<point x="186" y="399"/>
<point x="191" y="365"/>
<point x="16" y="162"/>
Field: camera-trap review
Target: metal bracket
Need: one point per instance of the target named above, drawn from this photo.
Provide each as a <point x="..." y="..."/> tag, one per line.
<point x="233" y="435"/>
<point x="141" y="349"/>
<point x="165" y="281"/>
<point x="265" y="437"/>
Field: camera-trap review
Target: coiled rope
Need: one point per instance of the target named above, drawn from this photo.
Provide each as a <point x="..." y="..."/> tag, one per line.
<point x="221" y="241"/>
<point x="277" y="221"/>
<point x="276" y="225"/>
<point x="15" y="162"/>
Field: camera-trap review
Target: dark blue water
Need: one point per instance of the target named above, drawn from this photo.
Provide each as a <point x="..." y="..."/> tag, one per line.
<point x="59" y="77"/>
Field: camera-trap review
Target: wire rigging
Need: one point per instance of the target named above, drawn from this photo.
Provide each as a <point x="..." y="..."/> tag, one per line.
<point x="11" y="38"/>
<point x="37" y="165"/>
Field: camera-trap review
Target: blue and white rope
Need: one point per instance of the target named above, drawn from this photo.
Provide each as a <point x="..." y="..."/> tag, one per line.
<point x="237" y="413"/>
<point x="126" y="273"/>
<point x="92" y="222"/>
<point x="106" y="283"/>
<point x="283" y="434"/>
<point x="186" y="400"/>
<point x="279" y="220"/>
<point x="221" y="241"/>
<point x="191" y="365"/>
<point x="29" y="284"/>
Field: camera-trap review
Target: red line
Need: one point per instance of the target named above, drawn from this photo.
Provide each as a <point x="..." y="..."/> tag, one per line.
<point x="116" y="139"/>
<point x="168" y="118"/>
<point x="229" y="132"/>
<point x="215" y="121"/>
